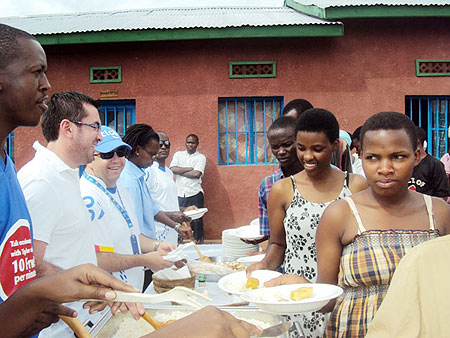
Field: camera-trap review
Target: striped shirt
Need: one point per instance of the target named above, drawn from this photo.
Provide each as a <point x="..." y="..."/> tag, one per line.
<point x="263" y="194"/>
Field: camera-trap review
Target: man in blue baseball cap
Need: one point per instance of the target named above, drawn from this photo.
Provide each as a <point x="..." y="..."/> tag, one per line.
<point x="119" y="245"/>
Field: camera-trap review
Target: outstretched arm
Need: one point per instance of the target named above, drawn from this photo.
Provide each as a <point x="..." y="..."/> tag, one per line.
<point x="277" y="241"/>
<point x="207" y="322"/>
<point x="44" y="295"/>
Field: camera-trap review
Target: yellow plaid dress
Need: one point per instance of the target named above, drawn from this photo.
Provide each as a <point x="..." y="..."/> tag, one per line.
<point x="366" y="268"/>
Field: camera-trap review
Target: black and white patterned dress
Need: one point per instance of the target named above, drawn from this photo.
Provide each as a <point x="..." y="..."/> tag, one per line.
<point x="300" y="225"/>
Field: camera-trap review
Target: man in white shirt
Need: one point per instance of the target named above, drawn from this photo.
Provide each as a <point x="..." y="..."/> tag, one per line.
<point x="189" y="166"/>
<point x="119" y="244"/>
<point x="163" y="189"/>
<point x="160" y="182"/>
<point x="51" y="186"/>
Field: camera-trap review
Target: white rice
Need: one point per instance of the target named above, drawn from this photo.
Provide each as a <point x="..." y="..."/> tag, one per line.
<point x="130" y="328"/>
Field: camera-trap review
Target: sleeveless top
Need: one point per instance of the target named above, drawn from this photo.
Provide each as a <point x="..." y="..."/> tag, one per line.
<point x="300" y="224"/>
<point x="366" y="268"/>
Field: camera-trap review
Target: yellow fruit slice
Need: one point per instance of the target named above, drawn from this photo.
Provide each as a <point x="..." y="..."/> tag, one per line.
<point x="252" y="283"/>
<point x="301" y="293"/>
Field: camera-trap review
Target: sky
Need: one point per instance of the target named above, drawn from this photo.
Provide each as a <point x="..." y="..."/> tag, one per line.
<point x="33" y="7"/>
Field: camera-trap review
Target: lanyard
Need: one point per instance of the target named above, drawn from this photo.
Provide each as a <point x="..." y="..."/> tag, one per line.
<point x="133" y="239"/>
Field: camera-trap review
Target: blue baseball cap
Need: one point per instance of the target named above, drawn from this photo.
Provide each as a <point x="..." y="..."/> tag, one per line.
<point x="111" y="140"/>
<point x="346" y="137"/>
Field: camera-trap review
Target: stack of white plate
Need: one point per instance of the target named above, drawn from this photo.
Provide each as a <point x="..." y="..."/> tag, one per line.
<point x="233" y="246"/>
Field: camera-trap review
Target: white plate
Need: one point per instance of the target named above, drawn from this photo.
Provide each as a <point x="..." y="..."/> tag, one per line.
<point x="265" y="299"/>
<point x="196" y="213"/>
<point x="255" y="222"/>
<point x="251" y="259"/>
<point x="235" y="283"/>
<point x="249" y="232"/>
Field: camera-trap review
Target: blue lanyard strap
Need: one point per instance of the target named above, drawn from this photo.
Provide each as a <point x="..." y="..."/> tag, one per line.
<point x="133" y="239"/>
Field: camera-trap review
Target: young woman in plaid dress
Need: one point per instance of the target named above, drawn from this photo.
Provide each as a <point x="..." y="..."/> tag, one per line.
<point x="361" y="239"/>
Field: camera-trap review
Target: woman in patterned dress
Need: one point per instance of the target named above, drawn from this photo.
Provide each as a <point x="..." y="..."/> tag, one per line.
<point x="361" y="239"/>
<point x="296" y="204"/>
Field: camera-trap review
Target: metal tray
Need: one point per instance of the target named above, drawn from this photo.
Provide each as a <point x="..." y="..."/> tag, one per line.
<point x="108" y="325"/>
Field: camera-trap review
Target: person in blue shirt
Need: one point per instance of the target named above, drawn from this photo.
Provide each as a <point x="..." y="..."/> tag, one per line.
<point x="23" y="88"/>
<point x="145" y="146"/>
<point x="144" y="142"/>
<point x="35" y="305"/>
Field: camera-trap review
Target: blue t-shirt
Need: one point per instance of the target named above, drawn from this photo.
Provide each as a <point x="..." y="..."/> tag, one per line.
<point x="17" y="266"/>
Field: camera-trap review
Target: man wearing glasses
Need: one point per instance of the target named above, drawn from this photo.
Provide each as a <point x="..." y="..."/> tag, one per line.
<point x="119" y="245"/>
<point x="50" y="182"/>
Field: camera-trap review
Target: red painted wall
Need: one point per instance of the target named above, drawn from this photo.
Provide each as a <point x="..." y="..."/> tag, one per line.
<point x="176" y="85"/>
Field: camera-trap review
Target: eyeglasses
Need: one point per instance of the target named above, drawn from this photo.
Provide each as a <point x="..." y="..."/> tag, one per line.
<point x="121" y="152"/>
<point x="95" y="126"/>
<point x="165" y="143"/>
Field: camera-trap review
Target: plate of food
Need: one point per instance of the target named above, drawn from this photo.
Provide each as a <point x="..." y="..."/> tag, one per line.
<point x="237" y="283"/>
<point x="220" y="266"/>
<point x="249" y="232"/>
<point x="293" y="298"/>
<point x="196" y="213"/>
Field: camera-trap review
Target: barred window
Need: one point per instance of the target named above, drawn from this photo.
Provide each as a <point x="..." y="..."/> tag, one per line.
<point x="243" y="125"/>
<point x="118" y="115"/>
<point x="431" y="113"/>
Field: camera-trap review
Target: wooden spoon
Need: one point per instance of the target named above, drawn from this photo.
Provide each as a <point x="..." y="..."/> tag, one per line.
<point x="203" y="258"/>
<point x="153" y="322"/>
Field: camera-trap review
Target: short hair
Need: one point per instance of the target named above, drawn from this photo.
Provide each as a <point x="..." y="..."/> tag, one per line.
<point x="194" y="136"/>
<point x="300" y="105"/>
<point x="9" y="46"/>
<point x="421" y="134"/>
<point x="390" y="121"/>
<point x="139" y="134"/>
<point x="283" y="122"/>
<point x="64" y="105"/>
<point x="357" y="133"/>
<point x="319" y="120"/>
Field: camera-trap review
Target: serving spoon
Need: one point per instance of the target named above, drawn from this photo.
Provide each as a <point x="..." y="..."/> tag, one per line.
<point x="203" y="258"/>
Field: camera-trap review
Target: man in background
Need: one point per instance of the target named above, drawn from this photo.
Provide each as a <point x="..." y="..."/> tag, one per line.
<point x="281" y="137"/>
<point x="189" y="166"/>
<point x="296" y="107"/>
<point x="429" y="175"/>
<point x="160" y="182"/>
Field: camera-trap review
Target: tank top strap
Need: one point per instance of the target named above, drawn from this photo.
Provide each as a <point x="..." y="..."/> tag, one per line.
<point x="355" y="213"/>
<point x="429" y="204"/>
<point x="294" y="186"/>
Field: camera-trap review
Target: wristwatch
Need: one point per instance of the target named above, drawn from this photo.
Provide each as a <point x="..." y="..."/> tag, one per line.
<point x="177" y="227"/>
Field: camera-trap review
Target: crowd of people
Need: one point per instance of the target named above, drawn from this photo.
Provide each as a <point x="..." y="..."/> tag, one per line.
<point x="326" y="225"/>
<point x="93" y="211"/>
<point x="61" y="225"/>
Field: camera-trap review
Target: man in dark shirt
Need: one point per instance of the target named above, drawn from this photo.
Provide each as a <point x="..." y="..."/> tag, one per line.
<point x="429" y="174"/>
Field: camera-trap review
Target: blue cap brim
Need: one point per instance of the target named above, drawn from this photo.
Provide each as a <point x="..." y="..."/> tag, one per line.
<point x="106" y="147"/>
